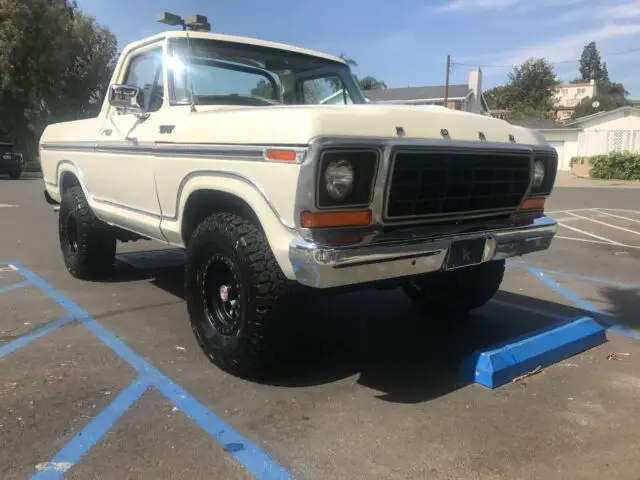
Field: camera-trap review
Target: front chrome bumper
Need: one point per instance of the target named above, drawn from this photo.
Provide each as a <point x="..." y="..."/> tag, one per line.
<point x="325" y="267"/>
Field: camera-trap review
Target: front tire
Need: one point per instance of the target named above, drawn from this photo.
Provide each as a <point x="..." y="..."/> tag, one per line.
<point x="88" y="245"/>
<point x="456" y="292"/>
<point x="15" y="175"/>
<point x="237" y="295"/>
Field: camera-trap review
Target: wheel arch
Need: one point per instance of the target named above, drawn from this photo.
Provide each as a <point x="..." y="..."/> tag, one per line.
<point x="204" y="202"/>
<point x="204" y="199"/>
<point x="68" y="176"/>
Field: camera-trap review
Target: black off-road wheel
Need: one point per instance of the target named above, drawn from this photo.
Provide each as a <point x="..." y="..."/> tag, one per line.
<point x="15" y="175"/>
<point x="455" y="293"/>
<point x="238" y="298"/>
<point x="88" y="245"/>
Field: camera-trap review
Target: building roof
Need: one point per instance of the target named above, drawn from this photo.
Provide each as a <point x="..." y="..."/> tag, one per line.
<point x="416" y="93"/>
<point x="231" y="38"/>
<point x="594" y="116"/>
<point x="537" y="123"/>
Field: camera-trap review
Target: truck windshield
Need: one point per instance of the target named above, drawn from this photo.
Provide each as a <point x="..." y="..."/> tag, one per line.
<point x="230" y="73"/>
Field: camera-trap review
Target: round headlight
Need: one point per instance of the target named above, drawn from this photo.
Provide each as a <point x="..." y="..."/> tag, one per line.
<point x="338" y="178"/>
<point x="538" y="173"/>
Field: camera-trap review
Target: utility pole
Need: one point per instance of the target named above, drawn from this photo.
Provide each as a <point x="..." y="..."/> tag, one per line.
<point x="446" y="81"/>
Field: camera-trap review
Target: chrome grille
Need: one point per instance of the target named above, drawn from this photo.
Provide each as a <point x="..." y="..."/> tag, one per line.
<point x="456" y="184"/>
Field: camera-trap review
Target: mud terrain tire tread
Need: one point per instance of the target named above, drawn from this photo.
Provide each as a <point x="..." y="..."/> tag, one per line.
<point x="265" y="292"/>
<point x="96" y="250"/>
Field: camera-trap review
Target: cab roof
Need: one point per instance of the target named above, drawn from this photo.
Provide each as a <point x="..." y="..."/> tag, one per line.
<point x="231" y="38"/>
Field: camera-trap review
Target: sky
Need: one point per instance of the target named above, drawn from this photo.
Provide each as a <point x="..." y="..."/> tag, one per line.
<point x="406" y="42"/>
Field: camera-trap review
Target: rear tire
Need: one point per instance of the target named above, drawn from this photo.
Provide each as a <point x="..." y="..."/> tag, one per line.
<point x="88" y="245"/>
<point x="237" y="295"/>
<point x="15" y="175"/>
<point x="456" y="292"/>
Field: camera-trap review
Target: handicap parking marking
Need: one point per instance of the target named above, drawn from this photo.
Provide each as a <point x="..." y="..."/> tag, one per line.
<point x="14" y="286"/>
<point x="248" y="455"/>
<point x="608" y="320"/>
<point x="569" y="336"/>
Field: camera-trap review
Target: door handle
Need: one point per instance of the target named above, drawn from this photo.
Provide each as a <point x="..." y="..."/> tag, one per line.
<point x="106" y="132"/>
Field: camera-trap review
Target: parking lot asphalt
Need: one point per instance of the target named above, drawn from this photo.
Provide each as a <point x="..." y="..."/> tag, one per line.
<point x="105" y="380"/>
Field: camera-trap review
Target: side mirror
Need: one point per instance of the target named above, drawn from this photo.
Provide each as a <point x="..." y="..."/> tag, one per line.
<point x="126" y="97"/>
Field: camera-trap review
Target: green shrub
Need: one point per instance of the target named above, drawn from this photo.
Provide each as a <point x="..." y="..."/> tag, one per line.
<point x="612" y="166"/>
<point x="616" y="166"/>
<point x="576" y="160"/>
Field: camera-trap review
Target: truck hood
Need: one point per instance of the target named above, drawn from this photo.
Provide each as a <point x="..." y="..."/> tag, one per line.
<point x="299" y="124"/>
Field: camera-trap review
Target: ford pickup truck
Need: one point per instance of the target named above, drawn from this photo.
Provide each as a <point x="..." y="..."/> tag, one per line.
<point x="267" y="165"/>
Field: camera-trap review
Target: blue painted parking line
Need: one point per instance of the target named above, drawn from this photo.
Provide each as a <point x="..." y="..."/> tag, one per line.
<point x="501" y="364"/>
<point x="491" y="368"/>
<point x="609" y="320"/>
<point x="249" y="455"/>
<point x="92" y="433"/>
<point x="584" y="278"/>
<point x="30" y="337"/>
<point x="15" y="286"/>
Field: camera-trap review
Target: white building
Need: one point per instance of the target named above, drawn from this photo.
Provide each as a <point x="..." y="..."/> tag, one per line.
<point x="569" y="95"/>
<point x="602" y="132"/>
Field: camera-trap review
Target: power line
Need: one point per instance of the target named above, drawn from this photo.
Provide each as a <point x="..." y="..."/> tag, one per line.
<point x="560" y="62"/>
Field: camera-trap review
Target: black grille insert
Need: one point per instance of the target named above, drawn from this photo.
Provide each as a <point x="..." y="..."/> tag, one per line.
<point x="427" y="184"/>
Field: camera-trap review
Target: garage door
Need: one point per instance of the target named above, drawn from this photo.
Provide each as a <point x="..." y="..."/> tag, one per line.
<point x="563" y="164"/>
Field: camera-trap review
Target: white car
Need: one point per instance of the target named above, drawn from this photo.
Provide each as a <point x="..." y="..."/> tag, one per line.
<point x="265" y="162"/>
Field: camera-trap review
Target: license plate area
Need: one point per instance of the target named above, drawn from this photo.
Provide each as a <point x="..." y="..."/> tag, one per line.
<point x="463" y="253"/>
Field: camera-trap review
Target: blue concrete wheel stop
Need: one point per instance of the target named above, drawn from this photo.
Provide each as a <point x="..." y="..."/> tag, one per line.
<point x="501" y="364"/>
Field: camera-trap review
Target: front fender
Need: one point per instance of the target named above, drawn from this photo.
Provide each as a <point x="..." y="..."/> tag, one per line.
<point x="278" y="231"/>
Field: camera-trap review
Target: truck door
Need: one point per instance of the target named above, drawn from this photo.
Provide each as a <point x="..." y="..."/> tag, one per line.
<point x="121" y="178"/>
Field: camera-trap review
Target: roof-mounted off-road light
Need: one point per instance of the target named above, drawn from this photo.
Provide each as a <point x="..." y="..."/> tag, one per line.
<point x="170" y="19"/>
<point x="198" y="23"/>
<point x="195" y="23"/>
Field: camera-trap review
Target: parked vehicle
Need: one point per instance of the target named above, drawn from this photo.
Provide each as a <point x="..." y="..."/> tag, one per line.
<point x="11" y="163"/>
<point x="267" y="165"/>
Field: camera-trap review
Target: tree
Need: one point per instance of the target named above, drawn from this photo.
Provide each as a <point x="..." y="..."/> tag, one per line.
<point x="531" y="87"/>
<point x="366" y="83"/>
<point x="591" y="67"/>
<point x="263" y="89"/>
<point x="499" y="98"/>
<point x="371" y="83"/>
<point x="55" y="65"/>
<point x="609" y="95"/>
<point x="605" y="73"/>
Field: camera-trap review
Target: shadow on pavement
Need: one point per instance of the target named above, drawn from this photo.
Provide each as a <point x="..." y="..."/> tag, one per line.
<point x="379" y="336"/>
<point x="625" y="305"/>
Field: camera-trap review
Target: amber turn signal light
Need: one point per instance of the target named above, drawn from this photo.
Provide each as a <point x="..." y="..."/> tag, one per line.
<point x="344" y="218"/>
<point x="533" y="203"/>
<point x="281" y="155"/>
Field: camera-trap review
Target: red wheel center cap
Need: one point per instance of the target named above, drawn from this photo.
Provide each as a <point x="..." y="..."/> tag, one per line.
<point x="224" y="293"/>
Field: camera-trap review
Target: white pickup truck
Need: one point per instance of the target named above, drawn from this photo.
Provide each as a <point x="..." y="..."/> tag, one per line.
<point x="267" y="164"/>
